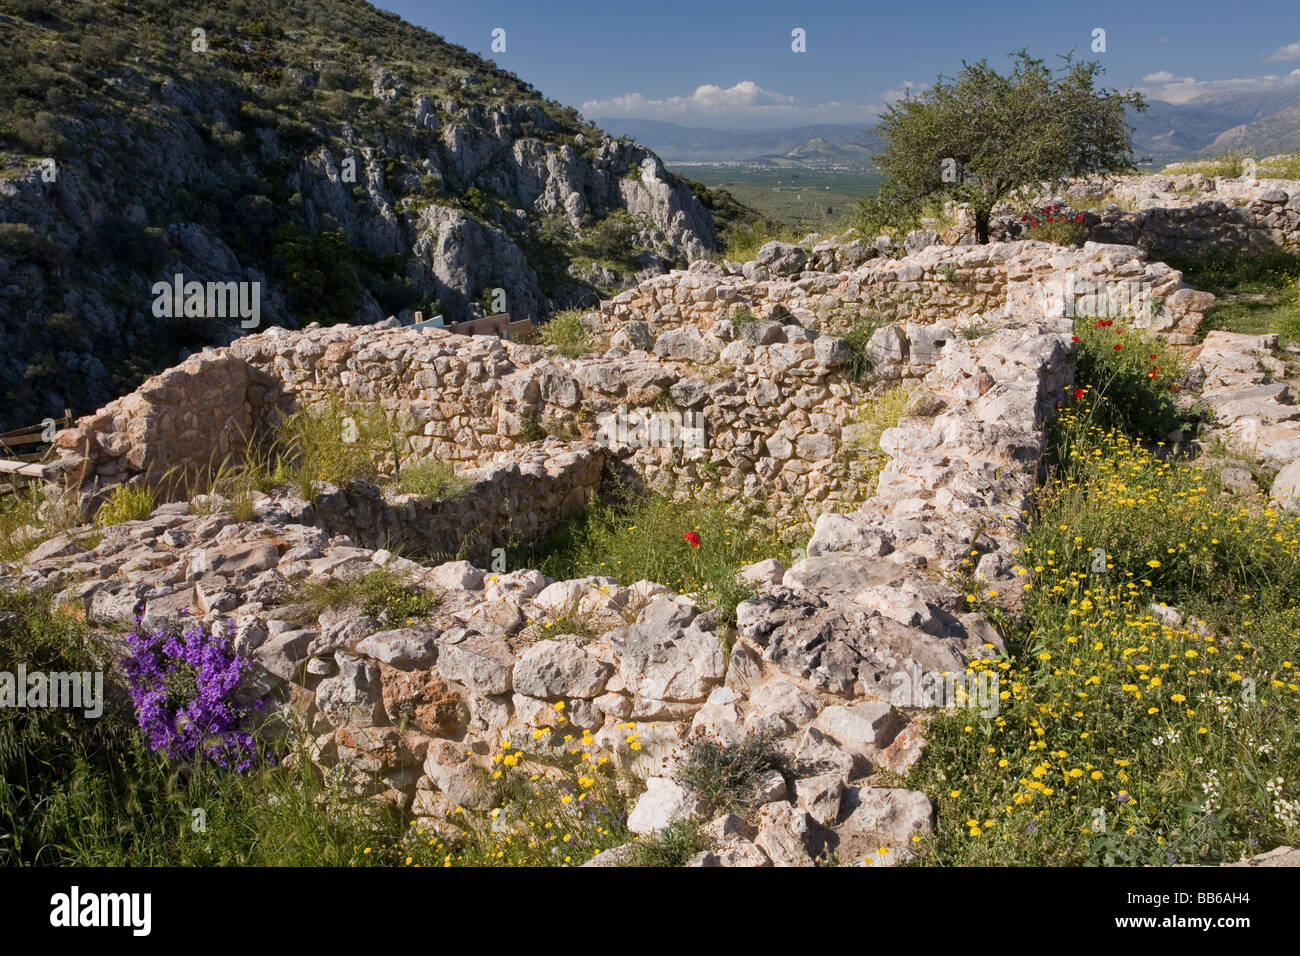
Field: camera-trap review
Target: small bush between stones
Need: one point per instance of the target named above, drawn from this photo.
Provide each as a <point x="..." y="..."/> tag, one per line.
<point x="564" y="333"/>
<point x="531" y="431"/>
<point x="742" y="317"/>
<point x="858" y="336"/>
<point x="382" y="594"/>
<point x="673" y="846"/>
<point x="727" y="776"/>
<point x="873" y="418"/>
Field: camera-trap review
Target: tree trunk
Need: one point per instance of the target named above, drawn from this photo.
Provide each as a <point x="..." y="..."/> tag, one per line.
<point x="982" y="226"/>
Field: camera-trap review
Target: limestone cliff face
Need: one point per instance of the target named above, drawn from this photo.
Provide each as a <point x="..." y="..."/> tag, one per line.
<point x="353" y="166"/>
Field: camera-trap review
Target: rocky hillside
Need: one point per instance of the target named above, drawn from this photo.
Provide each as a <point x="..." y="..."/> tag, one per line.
<point x="1278" y="133"/>
<point x="345" y="165"/>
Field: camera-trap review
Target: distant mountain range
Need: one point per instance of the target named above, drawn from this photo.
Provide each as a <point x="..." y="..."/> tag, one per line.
<point x="1264" y="123"/>
<point x="823" y="143"/>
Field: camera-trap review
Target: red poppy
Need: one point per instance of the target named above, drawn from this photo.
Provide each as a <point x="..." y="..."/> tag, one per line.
<point x="1074" y="338"/>
<point x="1078" y="393"/>
<point x="692" y="539"/>
<point x="1050" y="219"/>
<point x="1151" y="374"/>
<point x="1099" y="323"/>
<point x="1118" y="347"/>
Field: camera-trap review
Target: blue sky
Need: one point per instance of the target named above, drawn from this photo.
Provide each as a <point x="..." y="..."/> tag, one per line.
<point x="730" y="64"/>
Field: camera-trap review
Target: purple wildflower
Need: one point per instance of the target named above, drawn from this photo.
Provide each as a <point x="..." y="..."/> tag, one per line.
<point x="182" y="684"/>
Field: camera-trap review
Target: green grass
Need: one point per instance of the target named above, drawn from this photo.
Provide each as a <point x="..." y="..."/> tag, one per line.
<point x="564" y="333"/>
<point x="1058" y="233"/>
<point x="1134" y="373"/>
<point x="1122" y="738"/>
<point x="126" y="503"/>
<point x="1232" y="164"/>
<point x="1229" y="164"/>
<point x="334" y="442"/>
<point x="873" y="417"/>
<point x="433" y="479"/>
<point x="570" y="620"/>
<point x="1258" y="292"/>
<point x="742" y="317"/>
<point x="642" y="539"/>
<point x="1284" y="167"/>
<point x="382" y="594"/>
<point x="672" y="846"/>
<point x="744" y="241"/>
<point x="558" y="806"/>
<point x="21" y="527"/>
<point x="1228" y="272"/>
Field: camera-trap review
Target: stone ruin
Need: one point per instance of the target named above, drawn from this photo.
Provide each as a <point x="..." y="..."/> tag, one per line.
<point x="823" y="656"/>
<point x="772" y="395"/>
<point x="1179" y="213"/>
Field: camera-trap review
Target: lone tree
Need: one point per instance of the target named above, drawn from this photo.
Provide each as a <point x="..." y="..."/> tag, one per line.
<point x="977" y="137"/>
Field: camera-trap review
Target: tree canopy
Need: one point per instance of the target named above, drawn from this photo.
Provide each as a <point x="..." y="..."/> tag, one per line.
<point x="980" y="135"/>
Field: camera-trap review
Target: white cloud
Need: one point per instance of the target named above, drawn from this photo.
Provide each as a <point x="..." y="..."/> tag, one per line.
<point x="1164" y="76"/>
<point x="907" y="89"/>
<point x="1289" y="52"/>
<point x="1184" y="89"/>
<point x="742" y="103"/>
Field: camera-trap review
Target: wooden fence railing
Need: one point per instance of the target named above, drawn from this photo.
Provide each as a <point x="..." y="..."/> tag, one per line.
<point x="25" y="451"/>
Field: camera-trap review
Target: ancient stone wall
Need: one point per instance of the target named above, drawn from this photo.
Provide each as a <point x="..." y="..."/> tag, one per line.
<point x="1180" y="214"/>
<point x="188" y="417"/>
<point x="681" y="394"/>
<point x="969" y="285"/>
<point x="519" y="497"/>
<point x="700" y="408"/>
